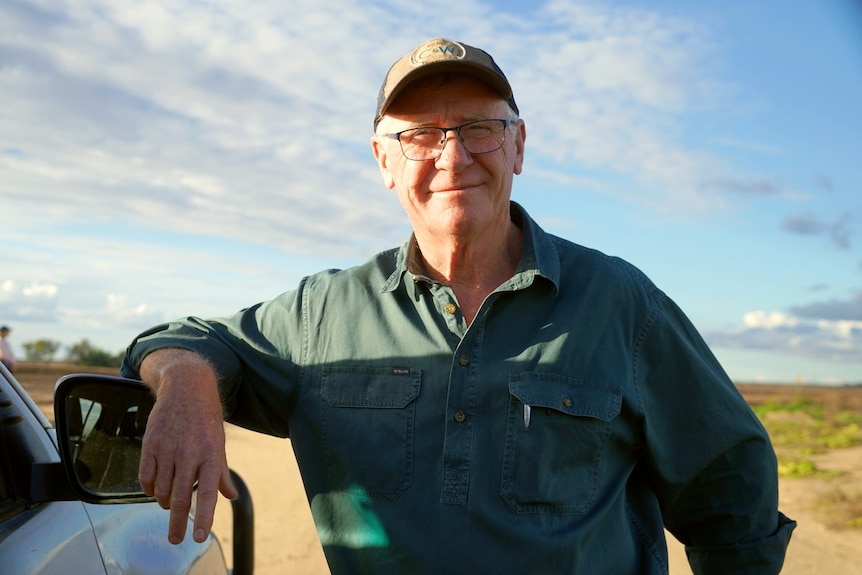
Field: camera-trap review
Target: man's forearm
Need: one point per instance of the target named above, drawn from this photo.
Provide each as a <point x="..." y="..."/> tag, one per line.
<point x="166" y="366"/>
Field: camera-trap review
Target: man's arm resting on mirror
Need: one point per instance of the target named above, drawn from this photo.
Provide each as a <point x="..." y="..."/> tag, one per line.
<point x="184" y="443"/>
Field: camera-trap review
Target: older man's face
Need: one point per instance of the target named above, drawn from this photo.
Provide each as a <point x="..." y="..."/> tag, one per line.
<point x="459" y="193"/>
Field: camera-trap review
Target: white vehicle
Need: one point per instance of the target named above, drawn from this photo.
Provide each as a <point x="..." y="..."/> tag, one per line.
<point x="70" y="501"/>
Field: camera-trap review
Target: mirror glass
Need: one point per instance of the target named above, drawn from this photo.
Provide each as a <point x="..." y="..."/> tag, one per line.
<point x="101" y="432"/>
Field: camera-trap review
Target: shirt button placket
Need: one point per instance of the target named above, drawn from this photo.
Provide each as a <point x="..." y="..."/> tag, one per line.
<point x="457" y="447"/>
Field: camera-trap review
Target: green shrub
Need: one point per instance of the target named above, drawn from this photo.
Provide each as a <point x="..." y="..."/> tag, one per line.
<point x="797" y="468"/>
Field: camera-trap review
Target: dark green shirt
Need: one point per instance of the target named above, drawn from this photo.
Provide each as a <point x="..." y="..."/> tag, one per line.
<point x="576" y="417"/>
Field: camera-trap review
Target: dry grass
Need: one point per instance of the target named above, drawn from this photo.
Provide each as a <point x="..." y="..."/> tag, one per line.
<point x="802" y="430"/>
<point x="840" y="508"/>
<point x="802" y="427"/>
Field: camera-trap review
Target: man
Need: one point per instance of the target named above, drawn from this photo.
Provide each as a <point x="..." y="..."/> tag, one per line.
<point x="7" y="356"/>
<point x="487" y="398"/>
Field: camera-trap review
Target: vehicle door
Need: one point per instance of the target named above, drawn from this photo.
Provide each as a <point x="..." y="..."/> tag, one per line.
<point x="36" y="538"/>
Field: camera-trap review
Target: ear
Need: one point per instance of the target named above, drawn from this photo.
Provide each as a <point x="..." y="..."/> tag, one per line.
<point x="520" y="139"/>
<point x="381" y="154"/>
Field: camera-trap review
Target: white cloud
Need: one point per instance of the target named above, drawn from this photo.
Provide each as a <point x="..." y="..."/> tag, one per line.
<point x="34" y="301"/>
<point x="833" y="340"/>
<point x="39" y="291"/>
<point x="772" y="320"/>
<point x="115" y="313"/>
<point x="117" y="305"/>
<point x="847" y="331"/>
<point x="608" y="89"/>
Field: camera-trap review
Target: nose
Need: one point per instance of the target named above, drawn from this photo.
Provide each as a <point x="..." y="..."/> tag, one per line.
<point x="454" y="157"/>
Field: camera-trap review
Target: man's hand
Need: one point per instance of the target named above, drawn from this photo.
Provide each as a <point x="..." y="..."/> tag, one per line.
<point x="184" y="442"/>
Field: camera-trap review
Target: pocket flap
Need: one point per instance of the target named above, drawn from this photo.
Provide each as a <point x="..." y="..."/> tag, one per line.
<point x="568" y="395"/>
<point x="370" y="387"/>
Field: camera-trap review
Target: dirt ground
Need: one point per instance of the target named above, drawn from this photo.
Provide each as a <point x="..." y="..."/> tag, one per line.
<point x="286" y="541"/>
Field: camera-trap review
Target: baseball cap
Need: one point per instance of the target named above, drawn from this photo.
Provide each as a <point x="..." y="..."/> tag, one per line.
<point x="441" y="56"/>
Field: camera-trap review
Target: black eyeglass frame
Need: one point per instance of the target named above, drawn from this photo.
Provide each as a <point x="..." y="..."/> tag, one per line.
<point x="457" y="130"/>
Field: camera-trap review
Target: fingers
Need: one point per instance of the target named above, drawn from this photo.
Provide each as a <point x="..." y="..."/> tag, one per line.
<point x="226" y="485"/>
<point x="174" y="490"/>
<point x="147" y="473"/>
<point x="180" y="503"/>
<point x="173" y="487"/>
<point x="212" y="480"/>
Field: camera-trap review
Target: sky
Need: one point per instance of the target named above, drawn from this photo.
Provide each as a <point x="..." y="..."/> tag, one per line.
<point x="194" y="157"/>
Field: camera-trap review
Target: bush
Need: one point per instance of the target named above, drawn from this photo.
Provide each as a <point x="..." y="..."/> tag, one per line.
<point x="40" y="350"/>
<point x="84" y="353"/>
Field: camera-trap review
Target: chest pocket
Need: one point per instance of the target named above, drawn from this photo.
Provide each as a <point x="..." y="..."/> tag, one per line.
<point x="554" y="449"/>
<point x="367" y="425"/>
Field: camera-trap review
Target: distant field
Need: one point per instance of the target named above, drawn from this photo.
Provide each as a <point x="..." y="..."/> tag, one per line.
<point x="39" y="379"/>
<point x="833" y="398"/>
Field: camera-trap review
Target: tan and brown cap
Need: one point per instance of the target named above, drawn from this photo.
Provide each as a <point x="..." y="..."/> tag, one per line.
<point x="441" y="56"/>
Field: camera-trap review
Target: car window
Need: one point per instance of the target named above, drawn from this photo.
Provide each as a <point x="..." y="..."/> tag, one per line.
<point x="5" y="467"/>
<point x="10" y="505"/>
<point x="20" y="446"/>
<point x="3" y="492"/>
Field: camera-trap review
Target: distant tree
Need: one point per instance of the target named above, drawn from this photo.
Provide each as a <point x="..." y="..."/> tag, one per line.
<point x="40" y="350"/>
<point x="84" y="353"/>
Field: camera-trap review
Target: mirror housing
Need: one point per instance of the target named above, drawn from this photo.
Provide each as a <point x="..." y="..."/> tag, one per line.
<point x="100" y="428"/>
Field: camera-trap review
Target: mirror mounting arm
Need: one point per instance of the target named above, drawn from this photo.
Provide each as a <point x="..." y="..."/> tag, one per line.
<point x="243" y="528"/>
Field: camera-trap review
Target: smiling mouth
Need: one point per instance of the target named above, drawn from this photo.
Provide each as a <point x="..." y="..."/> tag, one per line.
<point x="454" y="189"/>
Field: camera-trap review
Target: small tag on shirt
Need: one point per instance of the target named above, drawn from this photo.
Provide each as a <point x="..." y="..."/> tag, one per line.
<point x="400" y="371"/>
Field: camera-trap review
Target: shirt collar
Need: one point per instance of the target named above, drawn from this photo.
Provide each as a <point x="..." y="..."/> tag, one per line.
<point x="539" y="258"/>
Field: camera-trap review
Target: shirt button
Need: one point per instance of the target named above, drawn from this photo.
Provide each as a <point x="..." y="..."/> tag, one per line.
<point x="450" y="308"/>
<point x="567" y="402"/>
<point x="460" y="416"/>
<point x="463" y="361"/>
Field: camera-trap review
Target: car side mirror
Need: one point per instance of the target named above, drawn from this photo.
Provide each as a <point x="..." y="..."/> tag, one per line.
<point x="100" y="429"/>
<point x="100" y="421"/>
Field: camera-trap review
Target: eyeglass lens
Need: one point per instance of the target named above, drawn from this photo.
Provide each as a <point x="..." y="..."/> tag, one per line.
<point x="479" y="137"/>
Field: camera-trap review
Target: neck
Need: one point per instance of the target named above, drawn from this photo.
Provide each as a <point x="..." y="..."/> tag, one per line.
<point x="473" y="267"/>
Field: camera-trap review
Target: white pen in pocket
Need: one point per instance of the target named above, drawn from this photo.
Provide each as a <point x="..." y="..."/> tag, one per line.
<point x="526" y="416"/>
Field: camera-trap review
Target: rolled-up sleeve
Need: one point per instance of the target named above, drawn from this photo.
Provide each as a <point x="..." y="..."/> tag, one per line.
<point x="256" y="354"/>
<point x="712" y="463"/>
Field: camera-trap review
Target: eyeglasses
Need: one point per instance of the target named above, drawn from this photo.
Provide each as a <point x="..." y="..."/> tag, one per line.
<point x="427" y="142"/>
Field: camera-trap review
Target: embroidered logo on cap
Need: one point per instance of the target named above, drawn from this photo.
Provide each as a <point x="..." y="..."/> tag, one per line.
<point x="437" y="50"/>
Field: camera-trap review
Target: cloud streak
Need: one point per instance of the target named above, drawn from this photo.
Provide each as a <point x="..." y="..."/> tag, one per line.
<point x="849" y="309"/>
<point x="800" y="336"/>
<point x="839" y="231"/>
<point x="828" y="330"/>
<point x="189" y="116"/>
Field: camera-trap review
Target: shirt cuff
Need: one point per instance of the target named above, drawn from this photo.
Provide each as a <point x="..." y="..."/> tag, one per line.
<point x="762" y="557"/>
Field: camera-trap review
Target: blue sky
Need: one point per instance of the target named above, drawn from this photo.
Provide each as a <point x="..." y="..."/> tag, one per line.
<point x="163" y="159"/>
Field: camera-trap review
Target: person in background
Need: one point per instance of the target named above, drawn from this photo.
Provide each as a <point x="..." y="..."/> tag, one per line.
<point x="7" y="356"/>
<point x="485" y="398"/>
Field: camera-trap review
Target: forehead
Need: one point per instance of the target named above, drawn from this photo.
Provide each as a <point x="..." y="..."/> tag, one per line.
<point x="446" y="95"/>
